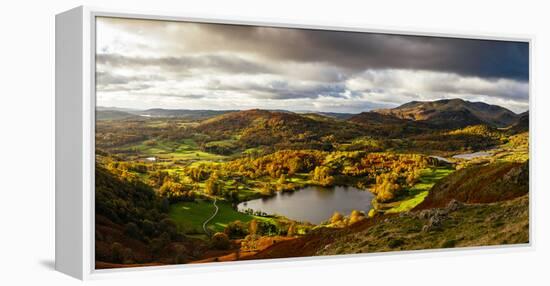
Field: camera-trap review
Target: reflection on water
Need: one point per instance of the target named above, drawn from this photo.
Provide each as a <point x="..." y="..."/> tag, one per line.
<point x="313" y="204"/>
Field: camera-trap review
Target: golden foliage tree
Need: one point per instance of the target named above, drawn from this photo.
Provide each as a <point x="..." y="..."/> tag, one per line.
<point x="336" y="218"/>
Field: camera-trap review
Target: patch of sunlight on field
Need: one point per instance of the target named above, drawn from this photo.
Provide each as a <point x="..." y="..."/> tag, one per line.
<point x="420" y="190"/>
<point x="184" y="150"/>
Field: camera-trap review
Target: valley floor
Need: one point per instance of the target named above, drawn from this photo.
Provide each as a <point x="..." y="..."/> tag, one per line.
<point x="168" y="189"/>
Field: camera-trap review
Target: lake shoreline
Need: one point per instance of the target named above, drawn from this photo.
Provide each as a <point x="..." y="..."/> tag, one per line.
<point x="332" y="199"/>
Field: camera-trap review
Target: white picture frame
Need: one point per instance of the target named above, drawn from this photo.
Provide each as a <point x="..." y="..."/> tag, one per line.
<point x="75" y="153"/>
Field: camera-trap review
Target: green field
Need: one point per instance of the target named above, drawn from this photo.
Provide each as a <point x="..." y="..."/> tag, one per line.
<point x="189" y="216"/>
<point x="419" y="191"/>
<point x="185" y="149"/>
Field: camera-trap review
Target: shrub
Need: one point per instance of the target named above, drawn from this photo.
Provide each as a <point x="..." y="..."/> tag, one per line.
<point x="220" y="241"/>
<point x="127" y="256"/>
<point x="372" y="213"/>
<point x="235" y="229"/>
<point x="356" y="216"/>
<point x="117" y="250"/>
<point x="291" y="230"/>
<point x="250" y="242"/>
<point x="253" y="227"/>
<point x="179" y="254"/>
<point x="448" y="243"/>
<point x="168" y="226"/>
<point x="267" y="190"/>
<point x="132" y="230"/>
<point x="147" y="227"/>
<point x="396" y="242"/>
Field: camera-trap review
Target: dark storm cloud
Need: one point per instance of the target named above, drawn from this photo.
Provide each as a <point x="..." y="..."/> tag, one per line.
<point x="181" y="95"/>
<point x="360" y="51"/>
<point x="124" y="87"/>
<point x="326" y="70"/>
<point x="107" y="78"/>
<point x="107" y="81"/>
<point x="281" y="89"/>
<point x="232" y="64"/>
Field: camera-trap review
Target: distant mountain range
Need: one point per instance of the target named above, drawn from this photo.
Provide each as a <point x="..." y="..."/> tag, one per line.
<point x="113" y="113"/>
<point x="453" y="113"/>
<point x="522" y="124"/>
<point x="412" y="116"/>
<point x="108" y="113"/>
<point x="183" y="113"/>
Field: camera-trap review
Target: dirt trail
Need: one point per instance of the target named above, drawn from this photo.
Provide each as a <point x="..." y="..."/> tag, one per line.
<point x="209" y="219"/>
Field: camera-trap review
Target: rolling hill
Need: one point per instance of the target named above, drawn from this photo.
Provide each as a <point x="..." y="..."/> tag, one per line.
<point x="521" y="125"/>
<point x="479" y="205"/>
<point x="261" y="127"/>
<point x="131" y="226"/>
<point x="453" y="113"/>
<point x="494" y="182"/>
<point x="182" y="113"/>
<point x="112" y="114"/>
<point x="381" y="124"/>
<point x="452" y="226"/>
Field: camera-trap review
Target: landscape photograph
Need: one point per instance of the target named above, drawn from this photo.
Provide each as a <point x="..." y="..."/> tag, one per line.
<point x="219" y="143"/>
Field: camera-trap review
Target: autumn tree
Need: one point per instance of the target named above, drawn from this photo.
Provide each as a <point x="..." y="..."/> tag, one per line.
<point x="322" y="175"/>
<point x="282" y="179"/>
<point x="336" y="217"/>
<point x="267" y="189"/>
<point x="212" y="186"/>
<point x="253" y="227"/>
<point x="386" y="188"/>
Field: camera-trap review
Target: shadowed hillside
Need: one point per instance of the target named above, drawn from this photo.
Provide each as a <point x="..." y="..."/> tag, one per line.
<point x="380" y="124"/>
<point x="132" y="226"/>
<point x="521" y="125"/>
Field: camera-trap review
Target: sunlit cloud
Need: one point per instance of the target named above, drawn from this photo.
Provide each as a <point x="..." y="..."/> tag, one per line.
<point x="148" y="64"/>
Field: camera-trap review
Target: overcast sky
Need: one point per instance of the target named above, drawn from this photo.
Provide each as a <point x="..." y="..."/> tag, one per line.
<point x="159" y="64"/>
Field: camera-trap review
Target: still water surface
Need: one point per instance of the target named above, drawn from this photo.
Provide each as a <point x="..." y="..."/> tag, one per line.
<point x="313" y="204"/>
<point x="470" y="156"/>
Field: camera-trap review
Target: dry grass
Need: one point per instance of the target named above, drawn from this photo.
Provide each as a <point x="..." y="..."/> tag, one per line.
<point x="472" y="225"/>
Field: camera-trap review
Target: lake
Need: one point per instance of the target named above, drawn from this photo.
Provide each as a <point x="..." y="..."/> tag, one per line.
<point x="470" y="156"/>
<point x="313" y="204"/>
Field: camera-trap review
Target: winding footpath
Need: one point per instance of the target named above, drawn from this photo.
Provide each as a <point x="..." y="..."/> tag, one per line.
<point x="209" y="219"/>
